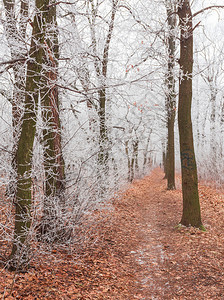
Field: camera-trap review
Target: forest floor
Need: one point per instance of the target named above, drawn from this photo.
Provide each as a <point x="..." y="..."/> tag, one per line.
<point x="134" y="250"/>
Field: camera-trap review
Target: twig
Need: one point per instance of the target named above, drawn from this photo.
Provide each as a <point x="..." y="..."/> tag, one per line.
<point x="12" y="61"/>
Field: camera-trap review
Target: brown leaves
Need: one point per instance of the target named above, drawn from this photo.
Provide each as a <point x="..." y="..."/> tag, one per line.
<point x="130" y="249"/>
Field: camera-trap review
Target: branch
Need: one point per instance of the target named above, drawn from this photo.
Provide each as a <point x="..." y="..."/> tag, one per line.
<point x="108" y="40"/>
<point x="207" y="8"/>
<point x="60" y="2"/>
<point x="95" y="89"/>
<point x="145" y="26"/>
<point x="196" y="26"/>
<point x="10" y="62"/>
<point x="8" y="151"/>
<point x="119" y="127"/>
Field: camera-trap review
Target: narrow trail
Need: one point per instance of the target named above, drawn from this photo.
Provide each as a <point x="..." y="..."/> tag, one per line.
<point x="131" y="249"/>
<point x="176" y="263"/>
<point x="156" y="212"/>
<point x="151" y="253"/>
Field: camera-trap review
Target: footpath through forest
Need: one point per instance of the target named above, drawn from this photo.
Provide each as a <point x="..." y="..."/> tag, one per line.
<point x="134" y="251"/>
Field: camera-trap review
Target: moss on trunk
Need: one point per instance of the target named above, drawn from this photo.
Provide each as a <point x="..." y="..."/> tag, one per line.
<point x="191" y="206"/>
<point x="19" y="257"/>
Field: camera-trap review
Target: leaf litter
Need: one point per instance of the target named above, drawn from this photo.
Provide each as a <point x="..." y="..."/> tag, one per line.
<point x="132" y="249"/>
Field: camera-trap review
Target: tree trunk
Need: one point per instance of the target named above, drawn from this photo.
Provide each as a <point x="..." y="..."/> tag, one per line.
<point x="101" y="73"/>
<point x="213" y="145"/>
<point x="50" y="228"/>
<point x="145" y="153"/>
<point x="171" y="100"/>
<point x="129" y="160"/>
<point x="103" y="136"/>
<point x="135" y="154"/>
<point x="164" y="156"/>
<point x="191" y="207"/>
<point x="19" y="257"/>
<point x="18" y="51"/>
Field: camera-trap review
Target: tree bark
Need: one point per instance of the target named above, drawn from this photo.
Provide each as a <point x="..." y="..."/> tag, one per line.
<point x="171" y="100"/>
<point x="50" y="101"/>
<point x="19" y="258"/>
<point x="213" y="145"/>
<point x="16" y="36"/>
<point x="50" y="227"/>
<point x="164" y="157"/>
<point x="191" y="207"/>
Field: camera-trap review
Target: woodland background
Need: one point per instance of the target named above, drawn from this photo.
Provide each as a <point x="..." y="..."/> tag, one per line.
<point x="84" y="87"/>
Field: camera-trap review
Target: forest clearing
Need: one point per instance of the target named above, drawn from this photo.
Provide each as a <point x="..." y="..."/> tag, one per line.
<point x="132" y="249"/>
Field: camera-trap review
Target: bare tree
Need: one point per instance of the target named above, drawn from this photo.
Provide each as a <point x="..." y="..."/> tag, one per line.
<point x="15" y="27"/>
<point x="171" y="95"/>
<point x="40" y="81"/>
<point x="101" y="69"/>
<point x="191" y="206"/>
<point x="52" y="148"/>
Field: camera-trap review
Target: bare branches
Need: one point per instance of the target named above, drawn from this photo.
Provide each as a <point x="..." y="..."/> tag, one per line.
<point x="12" y="61"/>
<point x="61" y="2"/>
<point x="108" y="40"/>
<point x="140" y="22"/>
<point x="207" y="8"/>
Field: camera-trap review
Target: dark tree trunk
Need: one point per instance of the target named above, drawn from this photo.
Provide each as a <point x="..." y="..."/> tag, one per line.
<point x="50" y="228"/>
<point x="50" y="100"/>
<point x="165" y="162"/>
<point x="171" y="100"/>
<point x="191" y="206"/>
<point x="19" y="257"/>
<point x="213" y="145"/>
<point x="18" y="51"/>
<point x="103" y="135"/>
<point x="129" y="160"/>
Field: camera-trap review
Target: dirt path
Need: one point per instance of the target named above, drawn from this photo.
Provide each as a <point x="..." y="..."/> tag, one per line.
<point x="134" y="251"/>
<point x="177" y="263"/>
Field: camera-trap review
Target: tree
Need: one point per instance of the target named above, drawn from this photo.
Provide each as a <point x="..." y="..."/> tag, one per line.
<point x="88" y="82"/>
<point x="19" y="258"/>
<point x="191" y="206"/>
<point x="212" y="75"/>
<point x="170" y="95"/>
<point x="52" y="148"/>
<point x="15" y="30"/>
<point x="101" y="70"/>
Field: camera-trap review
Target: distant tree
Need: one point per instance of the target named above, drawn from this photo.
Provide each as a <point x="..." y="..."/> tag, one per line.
<point x="101" y="61"/>
<point x="212" y="75"/>
<point x="91" y="74"/>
